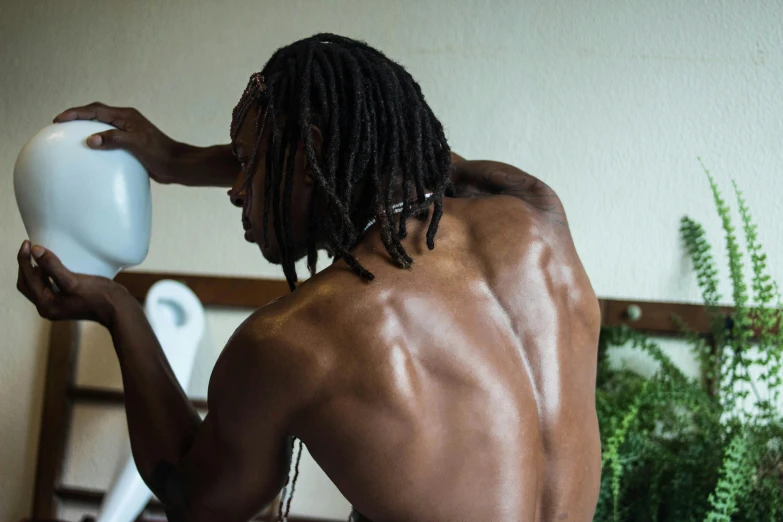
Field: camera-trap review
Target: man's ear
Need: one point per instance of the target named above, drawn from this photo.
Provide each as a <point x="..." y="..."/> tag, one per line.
<point x="318" y="139"/>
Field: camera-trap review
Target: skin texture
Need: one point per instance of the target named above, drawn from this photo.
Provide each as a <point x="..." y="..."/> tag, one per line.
<point x="461" y="389"/>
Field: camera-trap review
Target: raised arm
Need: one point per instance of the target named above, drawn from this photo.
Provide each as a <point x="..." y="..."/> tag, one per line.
<point x="227" y="467"/>
<point x="486" y="178"/>
<point x="166" y="160"/>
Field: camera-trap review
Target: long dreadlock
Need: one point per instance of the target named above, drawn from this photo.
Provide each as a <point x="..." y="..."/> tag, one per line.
<point x="378" y="134"/>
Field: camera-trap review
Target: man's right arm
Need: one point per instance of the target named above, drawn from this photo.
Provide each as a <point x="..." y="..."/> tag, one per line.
<point x="491" y="178"/>
<point x="213" y="166"/>
<point x="166" y="160"/>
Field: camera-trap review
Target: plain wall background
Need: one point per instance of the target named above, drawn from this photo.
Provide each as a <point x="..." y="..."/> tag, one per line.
<point x="610" y="102"/>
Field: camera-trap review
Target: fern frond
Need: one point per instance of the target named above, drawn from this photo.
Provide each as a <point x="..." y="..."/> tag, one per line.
<point x="763" y="317"/>
<point x="734" y="482"/>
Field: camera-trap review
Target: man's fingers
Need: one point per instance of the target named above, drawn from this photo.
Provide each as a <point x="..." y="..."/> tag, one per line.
<point x="121" y="117"/>
<point x="24" y="252"/>
<point x="117" y="116"/>
<point x="33" y="283"/>
<point x="114" y="139"/>
<point x="21" y="285"/>
<point x="29" y="280"/>
<point x="85" y="112"/>
<point x="54" y="268"/>
<point x="48" y="305"/>
<point x="70" y="115"/>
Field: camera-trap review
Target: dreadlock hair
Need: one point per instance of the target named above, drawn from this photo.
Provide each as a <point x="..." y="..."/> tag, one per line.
<point x="378" y="134"/>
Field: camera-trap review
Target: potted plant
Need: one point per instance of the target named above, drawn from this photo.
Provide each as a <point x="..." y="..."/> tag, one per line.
<point x="680" y="449"/>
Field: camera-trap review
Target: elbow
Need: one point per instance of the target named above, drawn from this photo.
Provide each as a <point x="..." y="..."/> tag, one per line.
<point x="168" y="484"/>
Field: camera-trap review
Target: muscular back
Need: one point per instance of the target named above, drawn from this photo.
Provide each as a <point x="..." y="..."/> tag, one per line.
<point x="463" y="389"/>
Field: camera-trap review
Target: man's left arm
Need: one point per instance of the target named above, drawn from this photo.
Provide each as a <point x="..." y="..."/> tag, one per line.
<point x="227" y="467"/>
<point x="236" y="461"/>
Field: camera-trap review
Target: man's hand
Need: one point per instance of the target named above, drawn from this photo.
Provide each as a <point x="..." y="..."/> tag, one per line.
<point x="77" y="297"/>
<point x="166" y="160"/>
<point x="134" y="133"/>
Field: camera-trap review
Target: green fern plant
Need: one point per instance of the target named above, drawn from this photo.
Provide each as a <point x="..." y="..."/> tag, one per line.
<point x="734" y="482"/>
<point x="678" y="449"/>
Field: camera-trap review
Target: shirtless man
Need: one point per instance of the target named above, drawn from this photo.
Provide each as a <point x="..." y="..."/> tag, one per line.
<point x="440" y="373"/>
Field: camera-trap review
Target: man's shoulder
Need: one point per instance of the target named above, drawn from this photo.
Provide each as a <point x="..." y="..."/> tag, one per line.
<point x="285" y="345"/>
<point x="494" y="178"/>
<point x="306" y="326"/>
<point x="320" y="303"/>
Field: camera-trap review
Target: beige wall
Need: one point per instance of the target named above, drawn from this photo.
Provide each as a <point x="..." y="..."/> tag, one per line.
<point x="611" y="102"/>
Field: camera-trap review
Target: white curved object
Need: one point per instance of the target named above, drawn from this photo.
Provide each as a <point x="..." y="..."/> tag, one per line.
<point x="177" y="318"/>
<point x="92" y="208"/>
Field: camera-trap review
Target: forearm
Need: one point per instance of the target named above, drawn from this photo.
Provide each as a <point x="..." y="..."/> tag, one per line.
<point x="213" y="166"/>
<point x="162" y="422"/>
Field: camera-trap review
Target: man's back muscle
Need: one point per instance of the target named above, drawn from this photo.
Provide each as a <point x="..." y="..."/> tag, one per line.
<point x="461" y="389"/>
